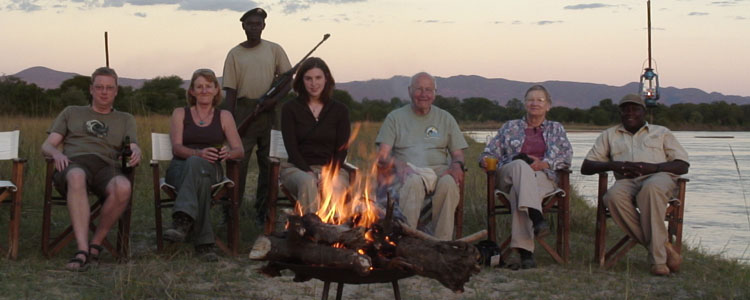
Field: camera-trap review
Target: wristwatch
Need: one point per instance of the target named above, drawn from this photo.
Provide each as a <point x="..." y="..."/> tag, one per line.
<point x="460" y="163"/>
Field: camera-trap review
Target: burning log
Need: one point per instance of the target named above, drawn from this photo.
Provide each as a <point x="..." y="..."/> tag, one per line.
<point x="273" y="248"/>
<point x="317" y="231"/>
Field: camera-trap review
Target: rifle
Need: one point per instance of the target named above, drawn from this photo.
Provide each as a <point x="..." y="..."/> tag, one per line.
<point x="273" y="93"/>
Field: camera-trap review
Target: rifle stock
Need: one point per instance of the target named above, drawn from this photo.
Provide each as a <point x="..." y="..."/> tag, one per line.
<point x="272" y="95"/>
<point x="273" y="92"/>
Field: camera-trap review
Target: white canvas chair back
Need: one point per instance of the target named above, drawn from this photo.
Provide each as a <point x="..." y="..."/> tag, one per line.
<point x="161" y="147"/>
<point x="277" y="149"/>
<point x="8" y="150"/>
<point x="9" y="144"/>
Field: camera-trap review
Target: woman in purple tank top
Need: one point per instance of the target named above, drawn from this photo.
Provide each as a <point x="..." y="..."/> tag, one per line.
<point x="202" y="136"/>
<point x="528" y="151"/>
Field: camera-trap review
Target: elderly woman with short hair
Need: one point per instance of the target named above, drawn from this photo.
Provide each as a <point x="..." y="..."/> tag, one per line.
<point x="529" y="151"/>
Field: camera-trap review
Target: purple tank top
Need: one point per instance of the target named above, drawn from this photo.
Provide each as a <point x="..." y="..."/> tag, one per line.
<point x="534" y="144"/>
<point x="196" y="137"/>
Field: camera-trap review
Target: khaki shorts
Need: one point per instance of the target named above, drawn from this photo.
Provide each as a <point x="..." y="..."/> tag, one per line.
<point x="98" y="174"/>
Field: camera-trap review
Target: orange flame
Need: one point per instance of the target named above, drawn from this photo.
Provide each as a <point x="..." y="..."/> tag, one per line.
<point x="342" y="202"/>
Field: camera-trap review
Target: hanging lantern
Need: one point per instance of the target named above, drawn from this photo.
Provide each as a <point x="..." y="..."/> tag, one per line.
<point x="649" y="87"/>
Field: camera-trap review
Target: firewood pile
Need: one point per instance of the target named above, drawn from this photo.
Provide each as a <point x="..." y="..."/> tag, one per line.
<point x="384" y="245"/>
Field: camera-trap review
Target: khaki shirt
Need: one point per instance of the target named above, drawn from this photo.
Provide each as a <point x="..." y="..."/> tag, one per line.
<point x="651" y="144"/>
<point x="251" y="71"/>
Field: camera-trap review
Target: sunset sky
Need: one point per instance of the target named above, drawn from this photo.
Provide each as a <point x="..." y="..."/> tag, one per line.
<point x="696" y="44"/>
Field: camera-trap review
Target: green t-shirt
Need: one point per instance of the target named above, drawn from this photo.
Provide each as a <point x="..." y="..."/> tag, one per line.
<point x="86" y="131"/>
<point x="425" y="141"/>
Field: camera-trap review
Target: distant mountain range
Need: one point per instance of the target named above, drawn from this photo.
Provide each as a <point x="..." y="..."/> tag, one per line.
<point x="564" y="93"/>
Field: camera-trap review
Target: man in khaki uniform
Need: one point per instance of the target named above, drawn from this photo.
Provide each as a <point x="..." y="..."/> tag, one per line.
<point x="249" y="71"/>
<point x="646" y="160"/>
<point x="426" y="146"/>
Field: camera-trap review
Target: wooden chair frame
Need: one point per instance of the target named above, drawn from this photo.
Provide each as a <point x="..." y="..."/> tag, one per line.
<point x="557" y="203"/>
<point x="49" y="248"/>
<point x="674" y="217"/>
<point x="11" y="192"/>
<point x="223" y="193"/>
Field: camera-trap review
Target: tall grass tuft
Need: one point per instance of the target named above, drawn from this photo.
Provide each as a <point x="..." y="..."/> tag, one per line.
<point x="742" y="185"/>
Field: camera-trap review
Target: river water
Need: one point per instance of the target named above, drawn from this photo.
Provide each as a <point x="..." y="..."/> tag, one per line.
<point x="717" y="211"/>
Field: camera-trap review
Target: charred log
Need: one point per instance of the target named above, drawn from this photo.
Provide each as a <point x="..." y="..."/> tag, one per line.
<point x="317" y="231"/>
<point x="279" y="249"/>
<point x="450" y="262"/>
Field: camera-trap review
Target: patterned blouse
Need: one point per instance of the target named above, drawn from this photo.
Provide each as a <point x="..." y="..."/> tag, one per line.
<point x="510" y="138"/>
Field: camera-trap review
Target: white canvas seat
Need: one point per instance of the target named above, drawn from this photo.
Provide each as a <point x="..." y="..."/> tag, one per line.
<point x="11" y="191"/>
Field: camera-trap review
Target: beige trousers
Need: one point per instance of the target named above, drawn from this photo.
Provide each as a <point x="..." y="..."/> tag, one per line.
<point x="444" y="201"/>
<point x="642" y="218"/>
<point x="304" y="186"/>
<point x="526" y="188"/>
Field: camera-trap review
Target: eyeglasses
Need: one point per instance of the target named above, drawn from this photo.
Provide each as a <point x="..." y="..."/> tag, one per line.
<point x="108" y="88"/>
<point x="537" y="100"/>
<point x="424" y="90"/>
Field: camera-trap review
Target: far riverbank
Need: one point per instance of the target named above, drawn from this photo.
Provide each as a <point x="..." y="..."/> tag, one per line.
<point x="586" y="127"/>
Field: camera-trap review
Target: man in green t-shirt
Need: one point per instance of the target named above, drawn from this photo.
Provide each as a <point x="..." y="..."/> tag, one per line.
<point x="249" y="71"/>
<point x="91" y="138"/>
<point x="425" y="145"/>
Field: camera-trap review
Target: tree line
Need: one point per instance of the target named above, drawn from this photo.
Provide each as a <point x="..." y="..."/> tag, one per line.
<point x="162" y="94"/>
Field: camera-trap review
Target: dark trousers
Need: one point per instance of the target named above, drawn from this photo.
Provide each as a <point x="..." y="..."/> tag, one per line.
<point x="257" y="134"/>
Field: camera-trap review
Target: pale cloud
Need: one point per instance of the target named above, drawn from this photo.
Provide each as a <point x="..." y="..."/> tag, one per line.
<point x="697" y="13"/>
<point x="587" y="6"/>
<point x="198" y="5"/>
<point x="726" y="3"/>
<point x="434" y="21"/>
<point x="337" y="18"/>
<point x="234" y="5"/>
<point x="740" y="18"/>
<point x="517" y="22"/>
<point x="547" y="22"/>
<point x="140" y="14"/>
<point x="293" y="6"/>
<point x="23" y="5"/>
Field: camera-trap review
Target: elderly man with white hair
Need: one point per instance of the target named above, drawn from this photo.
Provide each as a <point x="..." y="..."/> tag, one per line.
<point x="426" y="146"/>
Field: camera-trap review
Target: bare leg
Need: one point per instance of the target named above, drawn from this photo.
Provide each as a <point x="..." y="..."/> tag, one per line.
<point x="118" y="194"/>
<point x="79" y="210"/>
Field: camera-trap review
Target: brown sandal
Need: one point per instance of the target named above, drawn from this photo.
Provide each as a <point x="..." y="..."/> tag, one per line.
<point x="82" y="264"/>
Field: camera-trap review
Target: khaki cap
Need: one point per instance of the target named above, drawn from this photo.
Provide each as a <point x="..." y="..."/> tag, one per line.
<point x="632" y="98"/>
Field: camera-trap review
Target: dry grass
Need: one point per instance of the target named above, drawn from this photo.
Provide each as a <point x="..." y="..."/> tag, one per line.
<point x="176" y="274"/>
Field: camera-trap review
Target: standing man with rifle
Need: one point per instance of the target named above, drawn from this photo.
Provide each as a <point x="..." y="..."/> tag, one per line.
<point x="250" y="72"/>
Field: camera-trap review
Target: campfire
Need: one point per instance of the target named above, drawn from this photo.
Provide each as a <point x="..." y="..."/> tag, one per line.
<point x="350" y="232"/>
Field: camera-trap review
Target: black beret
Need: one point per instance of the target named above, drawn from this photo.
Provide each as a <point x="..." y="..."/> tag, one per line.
<point x="255" y="11"/>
